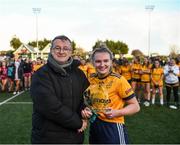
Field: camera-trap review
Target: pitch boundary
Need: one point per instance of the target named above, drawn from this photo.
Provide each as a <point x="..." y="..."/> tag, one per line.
<point x="14" y="103"/>
<point x="5" y="101"/>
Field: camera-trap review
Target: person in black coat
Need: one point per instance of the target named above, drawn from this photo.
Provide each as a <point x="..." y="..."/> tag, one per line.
<point x="57" y="93"/>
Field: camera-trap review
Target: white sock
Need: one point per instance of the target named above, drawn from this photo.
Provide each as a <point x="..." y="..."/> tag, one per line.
<point x="153" y="100"/>
<point x="161" y="101"/>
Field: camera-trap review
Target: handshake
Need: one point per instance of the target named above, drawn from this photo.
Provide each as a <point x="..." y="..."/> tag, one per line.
<point x="86" y="114"/>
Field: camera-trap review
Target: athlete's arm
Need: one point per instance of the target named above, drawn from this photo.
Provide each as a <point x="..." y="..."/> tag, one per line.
<point x="132" y="107"/>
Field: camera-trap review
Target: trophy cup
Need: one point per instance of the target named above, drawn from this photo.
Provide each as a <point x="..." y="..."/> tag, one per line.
<point x="97" y="99"/>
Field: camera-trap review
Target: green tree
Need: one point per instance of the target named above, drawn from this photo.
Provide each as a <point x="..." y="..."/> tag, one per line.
<point x="41" y="43"/>
<point x="80" y="52"/>
<point x="33" y="43"/>
<point x="44" y="42"/>
<point x="116" y="47"/>
<point x="73" y="45"/>
<point x="15" y="43"/>
<point x="97" y="44"/>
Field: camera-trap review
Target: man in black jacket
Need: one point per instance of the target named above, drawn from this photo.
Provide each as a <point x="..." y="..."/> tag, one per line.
<point x="57" y="92"/>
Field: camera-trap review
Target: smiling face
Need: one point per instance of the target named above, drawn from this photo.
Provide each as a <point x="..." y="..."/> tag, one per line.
<point x="102" y="63"/>
<point x="61" y="50"/>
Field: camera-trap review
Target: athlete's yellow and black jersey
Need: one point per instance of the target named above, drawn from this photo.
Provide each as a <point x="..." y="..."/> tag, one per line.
<point x="146" y="73"/>
<point x="156" y="76"/>
<point x="136" y="67"/>
<point x="84" y="68"/>
<point x="109" y="92"/>
<point x="36" y="67"/>
<point x="90" y="69"/>
<point x="125" y="71"/>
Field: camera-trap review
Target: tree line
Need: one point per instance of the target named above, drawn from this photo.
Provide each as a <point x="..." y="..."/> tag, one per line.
<point x="116" y="47"/>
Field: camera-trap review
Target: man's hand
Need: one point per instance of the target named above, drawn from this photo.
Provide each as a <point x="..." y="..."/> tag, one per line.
<point x="84" y="125"/>
<point x="86" y="113"/>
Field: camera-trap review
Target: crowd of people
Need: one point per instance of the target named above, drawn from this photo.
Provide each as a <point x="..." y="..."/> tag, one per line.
<point x="16" y="73"/>
<point x="148" y="77"/>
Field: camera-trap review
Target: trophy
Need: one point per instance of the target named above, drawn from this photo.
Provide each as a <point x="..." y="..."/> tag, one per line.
<point x="97" y="99"/>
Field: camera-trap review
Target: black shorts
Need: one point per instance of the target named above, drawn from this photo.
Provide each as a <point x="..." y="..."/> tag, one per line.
<point x="102" y="132"/>
<point x="136" y="80"/>
<point x="145" y="82"/>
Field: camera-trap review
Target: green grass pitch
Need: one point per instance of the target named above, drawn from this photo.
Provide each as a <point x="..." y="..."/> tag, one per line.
<point x="152" y="125"/>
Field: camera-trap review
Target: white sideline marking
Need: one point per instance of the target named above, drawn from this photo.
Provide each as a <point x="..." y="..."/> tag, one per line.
<point x="19" y="103"/>
<point x="1" y="103"/>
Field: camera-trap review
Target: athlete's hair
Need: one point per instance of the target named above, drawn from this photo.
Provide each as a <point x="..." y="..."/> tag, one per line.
<point x="102" y="48"/>
<point x="143" y="64"/>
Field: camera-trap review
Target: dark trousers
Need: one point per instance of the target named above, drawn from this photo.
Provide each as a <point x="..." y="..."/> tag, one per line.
<point x="175" y="93"/>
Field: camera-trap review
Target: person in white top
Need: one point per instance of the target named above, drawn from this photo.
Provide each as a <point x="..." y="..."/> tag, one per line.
<point x="171" y="71"/>
<point x="17" y="74"/>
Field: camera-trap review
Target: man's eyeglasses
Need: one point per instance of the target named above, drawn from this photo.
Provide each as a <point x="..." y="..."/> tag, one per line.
<point x="58" y="49"/>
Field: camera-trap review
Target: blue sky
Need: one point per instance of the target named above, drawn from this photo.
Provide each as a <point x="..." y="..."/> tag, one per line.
<point x="85" y="21"/>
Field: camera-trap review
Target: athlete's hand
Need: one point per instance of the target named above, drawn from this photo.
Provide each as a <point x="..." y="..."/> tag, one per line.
<point x="110" y="113"/>
<point x="84" y="125"/>
<point x="157" y="84"/>
<point x="141" y="72"/>
<point x="86" y="113"/>
<point x="136" y="71"/>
